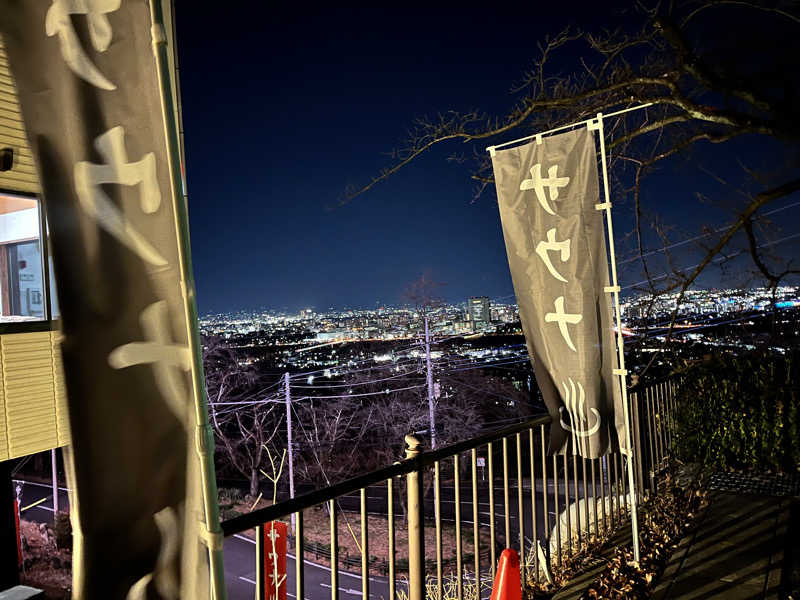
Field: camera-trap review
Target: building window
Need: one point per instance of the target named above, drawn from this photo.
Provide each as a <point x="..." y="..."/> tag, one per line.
<point x="23" y="282"/>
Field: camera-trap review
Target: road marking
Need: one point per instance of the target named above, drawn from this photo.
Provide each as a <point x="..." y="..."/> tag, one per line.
<point x="311" y="562"/>
<point x="35" y="504"/>
<point x="47" y="485"/>
<point x="350" y="591"/>
<point x="247" y="580"/>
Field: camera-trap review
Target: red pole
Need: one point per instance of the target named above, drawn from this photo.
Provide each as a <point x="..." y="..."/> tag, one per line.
<point x="274" y="584"/>
<point x="19" y="537"/>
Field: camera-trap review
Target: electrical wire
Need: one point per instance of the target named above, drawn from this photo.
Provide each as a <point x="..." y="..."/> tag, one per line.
<point x="716" y="260"/>
<point x="354" y="384"/>
<point x="360" y="395"/>
<point x="461" y="383"/>
<point x="701" y="236"/>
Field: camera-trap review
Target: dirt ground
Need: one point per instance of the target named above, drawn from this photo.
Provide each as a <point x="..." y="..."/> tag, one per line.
<point x="316" y="522"/>
<point x="45" y="566"/>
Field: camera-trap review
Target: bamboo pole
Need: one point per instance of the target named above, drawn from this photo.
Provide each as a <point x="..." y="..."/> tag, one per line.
<point x="620" y="370"/>
<point x="204" y="440"/>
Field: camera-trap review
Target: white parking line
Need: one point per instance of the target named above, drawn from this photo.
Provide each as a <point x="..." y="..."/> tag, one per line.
<point x="311" y="562"/>
<point x="247" y="580"/>
<point x="350" y="591"/>
<point x="47" y="485"/>
<point x="244" y="537"/>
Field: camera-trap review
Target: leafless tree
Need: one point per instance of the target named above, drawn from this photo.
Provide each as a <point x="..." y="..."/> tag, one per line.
<point x="498" y="401"/>
<point x="242" y="415"/>
<point x="713" y="71"/>
<point x="332" y="431"/>
<point x="423" y="293"/>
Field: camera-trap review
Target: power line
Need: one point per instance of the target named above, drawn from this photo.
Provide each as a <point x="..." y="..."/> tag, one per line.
<point x="716" y="260"/>
<point x="360" y="395"/>
<point x="354" y="384"/>
<point x="491" y="365"/>
<point x="701" y="236"/>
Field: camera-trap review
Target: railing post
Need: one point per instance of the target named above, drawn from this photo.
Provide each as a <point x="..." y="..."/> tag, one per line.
<point x="416" y="523"/>
<point x="259" y="595"/>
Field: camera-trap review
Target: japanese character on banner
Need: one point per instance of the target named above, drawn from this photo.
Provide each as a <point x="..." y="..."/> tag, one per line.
<point x="89" y="178"/>
<point x="163" y="576"/>
<point x="563" y="318"/>
<point x="580" y="425"/>
<point x="538" y="184"/>
<point x="59" y="22"/>
<point x="275" y="534"/>
<point x="551" y="245"/>
<point x="167" y="359"/>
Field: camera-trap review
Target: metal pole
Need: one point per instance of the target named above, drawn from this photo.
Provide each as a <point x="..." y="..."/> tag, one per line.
<point x="431" y="415"/>
<point x="620" y="371"/>
<point x="364" y="546"/>
<point x="437" y="510"/>
<point x="334" y="540"/>
<point x="459" y="561"/>
<point x="476" y="538"/>
<point x="390" y="515"/>
<point x="299" y="561"/>
<point x="204" y="439"/>
<point x="416" y="533"/>
<point x="288" y="398"/>
<point x="55" y="481"/>
<point x="259" y="595"/>
<point x="563" y="127"/>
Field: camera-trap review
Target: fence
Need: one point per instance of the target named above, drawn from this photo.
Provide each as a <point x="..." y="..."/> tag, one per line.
<point x="544" y="506"/>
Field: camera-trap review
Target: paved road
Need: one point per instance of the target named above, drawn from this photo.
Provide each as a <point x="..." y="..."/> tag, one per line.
<point x="240" y="551"/>
<point x="239" y="556"/>
<point x="240" y="576"/>
<point x="32" y="492"/>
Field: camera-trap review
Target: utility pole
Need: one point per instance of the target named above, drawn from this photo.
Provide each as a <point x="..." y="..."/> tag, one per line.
<point x="288" y="396"/>
<point x="431" y="416"/>
<point x="55" y="481"/>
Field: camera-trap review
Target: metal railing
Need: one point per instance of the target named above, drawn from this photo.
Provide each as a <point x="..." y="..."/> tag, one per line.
<point x="502" y="483"/>
<point x="653" y="426"/>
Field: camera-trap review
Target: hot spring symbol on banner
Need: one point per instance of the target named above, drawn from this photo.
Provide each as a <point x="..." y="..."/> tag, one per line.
<point x="555" y="239"/>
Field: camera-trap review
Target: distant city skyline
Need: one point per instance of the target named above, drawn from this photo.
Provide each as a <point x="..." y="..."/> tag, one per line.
<point x="630" y="298"/>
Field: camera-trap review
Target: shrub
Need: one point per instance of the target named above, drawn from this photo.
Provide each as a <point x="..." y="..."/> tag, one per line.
<point x="230" y="495"/>
<point x="62" y="530"/>
<point x="740" y="413"/>
<point x="228" y="513"/>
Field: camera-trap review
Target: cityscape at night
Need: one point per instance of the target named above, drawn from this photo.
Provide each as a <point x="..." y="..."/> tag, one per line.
<point x="732" y="320"/>
<point x="386" y="302"/>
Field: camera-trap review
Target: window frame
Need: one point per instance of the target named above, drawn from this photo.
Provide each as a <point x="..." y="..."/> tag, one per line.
<point x="47" y="323"/>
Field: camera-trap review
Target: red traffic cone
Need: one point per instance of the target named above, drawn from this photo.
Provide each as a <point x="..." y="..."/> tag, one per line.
<point x="507" y="583"/>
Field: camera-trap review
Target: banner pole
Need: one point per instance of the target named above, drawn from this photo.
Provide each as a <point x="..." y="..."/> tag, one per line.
<point x="621" y="371"/>
<point x="204" y="440"/>
<point x="491" y="149"/>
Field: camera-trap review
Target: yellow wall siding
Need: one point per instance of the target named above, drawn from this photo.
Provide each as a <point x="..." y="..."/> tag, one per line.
<point x="22" y="176"/>
<point x="33" y="398"/>
<point x="62" y="412"/>
<point x="3" y="429"/>
<point x="30" y="395"/>
<point x="33" y="408"/>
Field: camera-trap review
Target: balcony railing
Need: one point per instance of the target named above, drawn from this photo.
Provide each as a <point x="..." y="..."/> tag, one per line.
<point x="548" y="508"/>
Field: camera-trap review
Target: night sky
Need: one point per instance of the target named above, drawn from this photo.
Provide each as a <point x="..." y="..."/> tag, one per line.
<point x="284" y="107"/>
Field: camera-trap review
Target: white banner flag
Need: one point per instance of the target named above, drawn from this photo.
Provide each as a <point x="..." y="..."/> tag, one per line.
<point x="89" y="94"/>
<point x="555" y="240"/>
